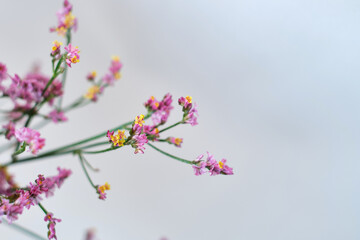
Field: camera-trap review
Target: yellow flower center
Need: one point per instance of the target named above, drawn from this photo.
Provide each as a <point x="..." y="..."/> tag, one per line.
<point x="139" y="120"/>
<point x="75" y="59"/>
<point x="221" y="165"/>
<point x="189" y="99"/>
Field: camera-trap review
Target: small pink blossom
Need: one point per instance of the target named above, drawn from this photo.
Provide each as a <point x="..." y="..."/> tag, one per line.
<point x="3" y="72"/>
<point x="10" y="130"/>
<point x="140" y="141"/>
<point x="72" y="55"/>
<point x="30" y="137"/>
<point x="51" y="226"/>
<point x="57" y="116"/>
<point x="211" y="166"/>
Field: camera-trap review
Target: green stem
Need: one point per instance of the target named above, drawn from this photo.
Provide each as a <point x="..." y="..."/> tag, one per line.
<point x="54" y="153"/>
<point x="172" y="156"/>
<point x="63" y="80"/>
<point x="33" y="110"/>
<point x="100" y="151"/>
<point x="66" y="147"/>
<point x="85" y="171"/>
<point x="43" y="209"/>
<point x="24" y="230"/>
<point x="174" y="125"/>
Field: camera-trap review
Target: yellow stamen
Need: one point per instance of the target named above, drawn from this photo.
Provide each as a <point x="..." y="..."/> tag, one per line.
<point x="117" y="75"/>
<point x="139" y="120"/>
<point x="189" y="99"/>
<point x="178" y="141"/>
<point x="92" y="91"/>
<point x="75" y="59"/>
<point x="221" y="164"/>
<point x="115" y="58"/>
<point x="69" y="20"/>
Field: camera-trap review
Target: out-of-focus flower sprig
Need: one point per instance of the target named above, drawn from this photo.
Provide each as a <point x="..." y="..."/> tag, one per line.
<point x="107" y="80"/>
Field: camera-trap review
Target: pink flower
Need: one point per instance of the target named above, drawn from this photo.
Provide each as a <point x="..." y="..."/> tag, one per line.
<point x="200" y="167"/>
<point x="191" y="117"/>
<point x="91" y="76"/>
<point x="57" y="116"/>
<point x="51" y="226"/>
<point x="190" y="110"/>
<point x="161" y="109"/>
<point x="72" y="55"/>
<point x="30" y="137"/>
<point x="139" y="143"/>
<point x="10" y="130"/>
<point x="176" y="141"/>
<point x="211" y="166"/>
<point x="66" y="20"/>
<point x="186" y="102"/>
<point x="90" y="234"/>
<point x="3" y="72"/>
<point x="101" y="190"/>
<point x="31" y="87"/>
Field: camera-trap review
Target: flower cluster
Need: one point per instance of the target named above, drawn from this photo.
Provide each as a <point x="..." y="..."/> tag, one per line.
<point x="211" y="166"/>
<point x="72" y="55"/>
<point x="92" y="93"/>
<point x="107" y="80"/>
<point x="55" y="49"/>
<point x="137" y="137"/>
<point x="101" y="190"/>
<point x="57" y="116"/>
<point x="114" y="73"/>
<point x="118" y="139"/>
<point x="31" y="89"/>
<point x="13" y="203"/>
<point x="31" y="138"/>
<point x="161" y="109"/>
<point x="66" y="20"/>
<point x="176" y="141"/>
<point x="189" y="109"/>
<point x="51" y="225"/>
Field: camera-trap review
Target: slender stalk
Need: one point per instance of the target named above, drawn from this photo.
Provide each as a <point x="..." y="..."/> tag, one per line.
<point x="81" y="158"/>
<point x="63" y="80"/>
<point x="100" y="151"/>
<point x="24" y="230"/>
<point x="53" y="153"/>
<point x="43" y="209"/>
<point x="69" y="146"/>
<point x="172" y="156"/>
<point x="32" y="112"/>
<point x="174" y="125"/>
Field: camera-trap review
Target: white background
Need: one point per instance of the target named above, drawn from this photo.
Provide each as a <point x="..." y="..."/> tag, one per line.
<point x="277" y="84"/>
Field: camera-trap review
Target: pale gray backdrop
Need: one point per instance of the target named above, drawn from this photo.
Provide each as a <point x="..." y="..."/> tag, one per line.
<point x="277" y="84"/>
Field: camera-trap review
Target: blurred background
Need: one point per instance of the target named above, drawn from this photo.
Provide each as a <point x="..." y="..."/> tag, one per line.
<point x="277" y="85"/>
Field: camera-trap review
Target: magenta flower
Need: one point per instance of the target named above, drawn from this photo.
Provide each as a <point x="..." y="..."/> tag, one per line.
<point x="72" y="55"/>
<point x="211" y="166"/>
<point x="31" y="87"/>
<point x="190" y="110"/>
<point x="176" y="141"/>
<point x="51" y="226"/>
<point x="3" y="72"/>
<point x="10" y="130"/>
<point x="31" y="138"/>
<point x="139" y="143"/>
<point x="66" y="20"/>
<point x="57" y="116"/>
<point x="191" y="117"/>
